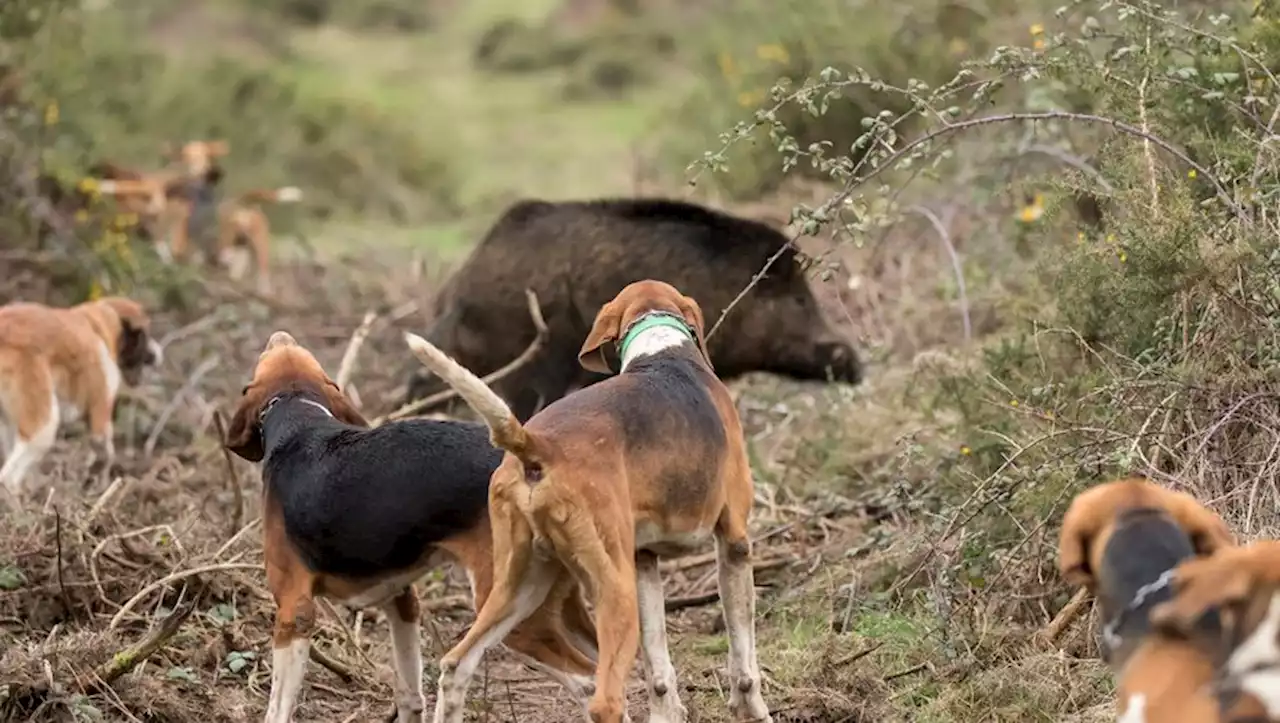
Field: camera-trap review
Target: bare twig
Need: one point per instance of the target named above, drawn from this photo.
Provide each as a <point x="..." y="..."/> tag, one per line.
<point x="233" y="479"/>
<point x="956" y="267"/>
<point x="62" y="585"/>
<point x="1146" y="130"/>
<point x="348" y="365"/>
<point x="540" y="325"/>
<point x="206" y="366"/>
<point x="174" y="577"/>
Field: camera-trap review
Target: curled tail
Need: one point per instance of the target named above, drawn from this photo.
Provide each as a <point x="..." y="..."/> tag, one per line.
<point x="505" y="430"/>
<point x="286" y="194"/>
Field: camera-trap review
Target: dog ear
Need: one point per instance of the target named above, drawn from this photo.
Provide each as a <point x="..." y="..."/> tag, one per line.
<point x="1201" y="584"/>
<point x="692" y="314"/>
<point x="1079" y="526"/>
<point x="607" y="327"/>
<point x="341" y="406"/>
<point x="1208" y="532"/>
<point x="244" y="435"/>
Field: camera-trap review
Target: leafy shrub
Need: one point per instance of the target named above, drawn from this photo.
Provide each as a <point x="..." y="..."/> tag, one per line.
<point x="285" y="124"/>
<point x="753" y="44"/>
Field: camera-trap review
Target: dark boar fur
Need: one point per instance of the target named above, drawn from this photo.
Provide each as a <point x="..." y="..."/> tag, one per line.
<point x="578" y="255"/>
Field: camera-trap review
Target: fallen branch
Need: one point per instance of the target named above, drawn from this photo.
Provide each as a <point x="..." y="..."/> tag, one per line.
<point x="126" y="660"/>
<point x="348" y="365"/>
<point x="1056" y="627"/>
<point x="535" y="312"/>
<point x="337" y="668"/>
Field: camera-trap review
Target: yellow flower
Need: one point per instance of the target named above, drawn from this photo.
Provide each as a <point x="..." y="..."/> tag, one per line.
<point x="1037" y="29"/>
<point x="1033" y="210"/>
<point x="82" y="216"/>
<point x="966" y="451"/>
<point x="1123" y="257"/>
<point x="95" y="290"/>
<point x="1080" y="237"/>
<point x="1191" y="173"/>
<point x="126" y="220"/>
<point x="1013" y="402"/>
<point x="750" y="98"/>
<point x="51" y="113"/>
<point x="1111" y="238"/>
<point x="727" y="68"/>
<point x="88" y="185"/>
<point x="774" y="52"/>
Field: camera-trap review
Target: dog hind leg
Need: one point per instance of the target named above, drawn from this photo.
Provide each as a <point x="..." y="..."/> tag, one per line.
<point x="403" y="616"/>
<point x="737" y="594"/>
<point x="660" y="674"/>
<point x="33" y="407"/>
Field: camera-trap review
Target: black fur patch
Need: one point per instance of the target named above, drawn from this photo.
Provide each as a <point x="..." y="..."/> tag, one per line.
<point x="362" y="502"/>
<point x="1145" y="544"/>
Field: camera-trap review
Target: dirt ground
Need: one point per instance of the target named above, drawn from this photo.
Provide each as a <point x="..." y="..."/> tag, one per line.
<point x="101" y="562"/>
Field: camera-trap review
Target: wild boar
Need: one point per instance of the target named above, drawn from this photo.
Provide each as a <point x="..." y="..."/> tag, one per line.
<point x="577" y="255"/>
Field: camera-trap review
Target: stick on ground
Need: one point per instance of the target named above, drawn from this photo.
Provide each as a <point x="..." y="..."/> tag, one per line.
<point x="539" y="324"/>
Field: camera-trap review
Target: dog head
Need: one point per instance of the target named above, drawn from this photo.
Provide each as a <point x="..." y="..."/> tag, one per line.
<point x="283" y="367"/>
<point x="1243" y="585"/>
<point x="636" y="300"/>
<point x="124" y="325"/>
<point x="1093" y="516"/>
<point x="197" y="157"/>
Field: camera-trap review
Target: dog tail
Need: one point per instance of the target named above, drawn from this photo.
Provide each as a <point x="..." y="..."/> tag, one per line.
<point x="285" y="194"/>
<point x="505" y="430"/>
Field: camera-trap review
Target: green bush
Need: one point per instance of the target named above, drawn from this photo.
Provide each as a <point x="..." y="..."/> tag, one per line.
<point x="756" y="44"/>
<point x="286" y="124"/>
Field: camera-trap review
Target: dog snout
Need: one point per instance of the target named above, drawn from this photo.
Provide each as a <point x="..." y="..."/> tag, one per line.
<point x="155" y="353"/>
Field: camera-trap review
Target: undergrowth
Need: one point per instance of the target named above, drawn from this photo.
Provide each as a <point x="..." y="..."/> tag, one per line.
<point x="1144" y="344"/>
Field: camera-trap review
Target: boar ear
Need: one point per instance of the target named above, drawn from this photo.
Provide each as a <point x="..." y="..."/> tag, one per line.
<point x="607" y="327"/>
<point x="692" y="314"/>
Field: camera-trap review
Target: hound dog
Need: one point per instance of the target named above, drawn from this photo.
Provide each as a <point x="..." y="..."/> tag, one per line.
<point x="1122" y="541"/>
<point x="240" y="221"/>
<point x="59" y="364"/>
<point x="598" y="485"/>
<point x="357" y="515"/>
<point x="1244" y="584"/>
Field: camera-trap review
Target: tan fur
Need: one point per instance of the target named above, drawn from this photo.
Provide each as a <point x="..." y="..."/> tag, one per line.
<point x="569" y="499"/>
<point x="48" y="352"/>
<point x="544" y="638"/>
<point x="1171" y="675"/>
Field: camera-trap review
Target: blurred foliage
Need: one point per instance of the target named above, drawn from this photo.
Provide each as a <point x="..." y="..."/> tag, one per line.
<point x="616" y="55"/>
<point x="753" y="45"/>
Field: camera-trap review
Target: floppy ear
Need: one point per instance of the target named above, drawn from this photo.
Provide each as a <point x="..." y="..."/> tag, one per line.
<point x="692" y="314"/>
<point x="1073" y="546"/>
<point x="1201" y="584"/>
<point x="340" y="405"/>
<point x="244" y="436"/>
<point x="607" y="327"/>
<point x="1207" y="530"/>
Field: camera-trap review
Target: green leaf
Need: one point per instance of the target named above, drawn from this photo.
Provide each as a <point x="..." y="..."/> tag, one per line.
<point x="11" y="578"/>
<point x="179" y="673"/>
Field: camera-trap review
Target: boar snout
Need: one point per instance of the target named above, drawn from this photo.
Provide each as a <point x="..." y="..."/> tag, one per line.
<point x="838" y="360"/>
